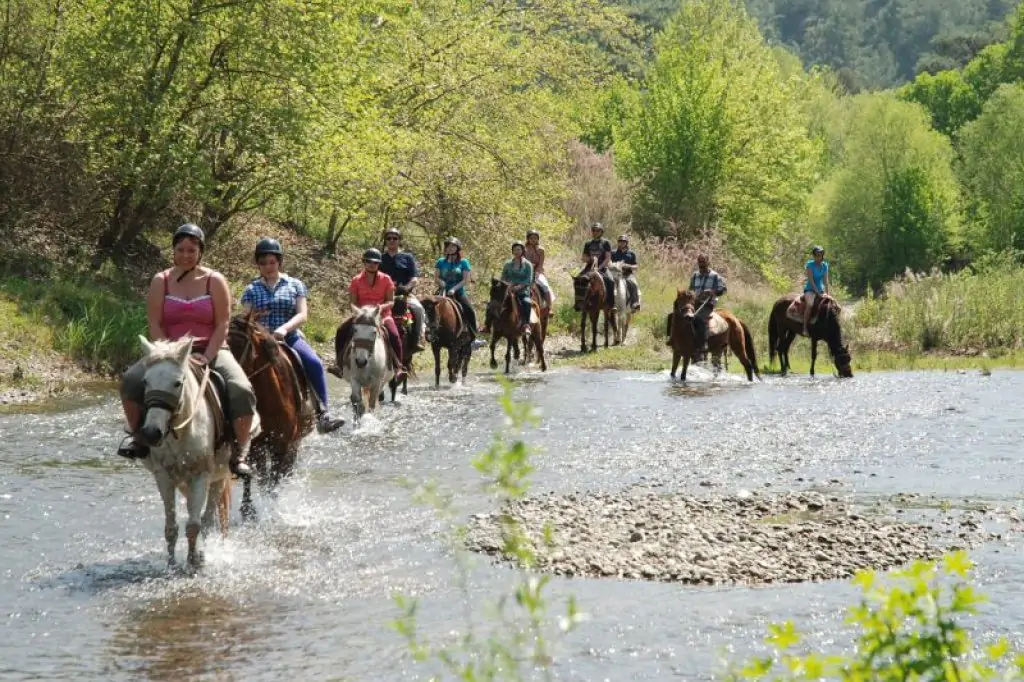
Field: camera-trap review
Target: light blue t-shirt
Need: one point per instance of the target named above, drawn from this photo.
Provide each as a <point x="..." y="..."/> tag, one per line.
<point x="818" y="272"/>
<point x="451" y="273"/>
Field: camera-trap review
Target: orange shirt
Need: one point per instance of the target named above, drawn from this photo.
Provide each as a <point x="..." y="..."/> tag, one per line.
<point x="364" y="293"/>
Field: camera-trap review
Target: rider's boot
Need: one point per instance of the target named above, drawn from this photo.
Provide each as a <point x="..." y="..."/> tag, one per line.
<point x="133" y="449"/>
<point x="237" y="463"/>
<point x="325" y="423"/>
<point x="418" y="337"/>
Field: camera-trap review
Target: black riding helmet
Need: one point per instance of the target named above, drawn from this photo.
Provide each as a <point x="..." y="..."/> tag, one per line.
<point x="817" y="249"/>
<point x="371" y="256"/>
<point x="189" y="230"/>
<point x="268" y="246"/>
<point x="518" y="243"/>
<point x="532" y="233"/>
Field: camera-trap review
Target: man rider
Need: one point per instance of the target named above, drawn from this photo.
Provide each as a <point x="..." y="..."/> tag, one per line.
<point x="401" y="266"/>
<point x="625" y="255"/>
<point x="708" y="285"/>
<point x="601" y="249"/>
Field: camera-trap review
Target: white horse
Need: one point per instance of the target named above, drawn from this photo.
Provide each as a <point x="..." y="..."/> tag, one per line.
<point x="621" y="294"/>
<point x="370" y="366"/>
<point x="180" y="429"/>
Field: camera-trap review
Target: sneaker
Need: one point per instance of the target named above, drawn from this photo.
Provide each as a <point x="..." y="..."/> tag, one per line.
<point x="479" y="343"/>
<point x="325" y="423"/>
<point x="133" y="450"/>
<point x="237" y="463"/>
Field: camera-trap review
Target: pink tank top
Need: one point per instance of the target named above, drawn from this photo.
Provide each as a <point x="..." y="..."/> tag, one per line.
<point x="188" y="317"/>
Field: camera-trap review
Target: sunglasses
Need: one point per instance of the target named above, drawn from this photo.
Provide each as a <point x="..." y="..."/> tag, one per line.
<point x="391" y="239"/>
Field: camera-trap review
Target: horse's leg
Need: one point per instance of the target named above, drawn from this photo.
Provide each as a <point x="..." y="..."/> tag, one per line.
<point x="814" y="353"/>
<point x="785" y="341"/>
<point x="212" y="510"/>
<point x="508" y="353"/>
<point x="437" y="364"/>
<point x="593" y="330"/>
<point x="198" y="493"/>
<point x="248" y="508"/>
<point x="675" y="362"/>
<point x="538" y="344"/>
<point x="356" y="398"/>
<point x="583" y="329"/>
<point x="465" y="356"/>
<point x="494" y="344"/>
<point x="224" y="507"/>
<point x="166" y="488"/>
<point x="686" y="365"/>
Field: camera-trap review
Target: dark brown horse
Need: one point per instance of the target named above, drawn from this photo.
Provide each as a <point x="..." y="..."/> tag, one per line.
<point x="284" y="399"/>
<point x="403" y="320"/>
<point x="786" y="323"/>
<point x="591" y="300"/>
<point x="447" y="329"/>
<point x="725" y="332"/>
<point x="506" y="324"/>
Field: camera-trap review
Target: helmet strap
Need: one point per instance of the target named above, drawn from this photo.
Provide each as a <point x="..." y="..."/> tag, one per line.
<point x="184" y="272"/>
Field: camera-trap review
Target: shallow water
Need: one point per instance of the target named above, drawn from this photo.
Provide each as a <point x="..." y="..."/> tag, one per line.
<point x="307" y="591"/>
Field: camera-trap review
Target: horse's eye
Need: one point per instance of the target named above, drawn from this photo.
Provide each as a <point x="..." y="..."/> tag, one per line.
<point x="177" y="384"/>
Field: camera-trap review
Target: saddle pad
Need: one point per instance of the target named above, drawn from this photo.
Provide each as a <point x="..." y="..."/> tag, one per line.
<point x="795" y="312"/>
<point x="534" y="317"/>
<point x="216" y="394"/>
<point x="717" y="325"/>
<point x="298" y="372"/>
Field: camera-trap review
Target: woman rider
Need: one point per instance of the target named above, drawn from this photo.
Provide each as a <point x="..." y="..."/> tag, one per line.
<point x="372" y="287"/>
<point x="816" y="283"/>
<point x="283" y="300"/>
<point x="192" y="300"/>
<point x="535" y="254"/>
<point x="518" y="274"/>
<point x="453" y="275"/>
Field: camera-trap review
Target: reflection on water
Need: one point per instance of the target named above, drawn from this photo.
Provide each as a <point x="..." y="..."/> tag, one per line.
<point x="306" y="593"/>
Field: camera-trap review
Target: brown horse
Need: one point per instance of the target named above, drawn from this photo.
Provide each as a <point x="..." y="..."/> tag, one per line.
<point x="285" y="402"/>
<point x="786" y="323"/>
<point x="726" y="331"/>
<point x="591" y="300"/>
<point x="506" y="324"/>
<point x="403" y="320"/>
<point x="447" y="329"/>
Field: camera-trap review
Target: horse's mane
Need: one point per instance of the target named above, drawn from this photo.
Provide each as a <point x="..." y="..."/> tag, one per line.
<point x="248" y="324"/>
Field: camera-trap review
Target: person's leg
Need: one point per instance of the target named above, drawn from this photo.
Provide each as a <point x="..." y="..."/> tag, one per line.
<point x="808" y="304"/>
<point x="467" y="311"/>
<point x="634" y="292"/>
<point x="318" y="379"/>
<point x="396" y="345"/>
<point x="241" y="407"/>
<point x="547" y="300"/>
<point x="418" y="317"/>
<point x="525" y="307"/>
<point x="609" y="289"/>
<point x="133" y="393"/>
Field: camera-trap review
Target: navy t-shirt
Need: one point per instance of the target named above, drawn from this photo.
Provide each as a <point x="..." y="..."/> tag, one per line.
<point x="596" y="248"/>
<point x="627" y="256"/>
<point x="401" y="267"/>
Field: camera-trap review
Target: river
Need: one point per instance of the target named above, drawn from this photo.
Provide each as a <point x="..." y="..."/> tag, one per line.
<point x="306" y="592"/>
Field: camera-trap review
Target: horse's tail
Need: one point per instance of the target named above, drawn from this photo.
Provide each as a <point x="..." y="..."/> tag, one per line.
<point x="773" y="337"/>
<point x="748" y="341"/>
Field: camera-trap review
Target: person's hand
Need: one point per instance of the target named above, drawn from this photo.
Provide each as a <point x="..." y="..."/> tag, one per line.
<point x="280" y="333"/>
<point x="200" y="358"/>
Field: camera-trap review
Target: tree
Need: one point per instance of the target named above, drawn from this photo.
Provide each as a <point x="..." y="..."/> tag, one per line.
<point x="719" y="139"/>
<point x="992" y="150"/>
<point x="893" y="202"/>
<point x="949" y="99"/>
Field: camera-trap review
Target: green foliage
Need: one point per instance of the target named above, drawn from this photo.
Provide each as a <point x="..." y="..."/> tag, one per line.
<point x="992" y="149"/>
<point x="947" y="96"/>
<point x="893" y="202"/>
<point x="906" y="630"/>
<point x="518" y="643"/>
<point x="719" y="140"/>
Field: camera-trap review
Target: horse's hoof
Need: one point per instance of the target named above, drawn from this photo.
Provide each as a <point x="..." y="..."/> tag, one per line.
<point x="248" y="513"/>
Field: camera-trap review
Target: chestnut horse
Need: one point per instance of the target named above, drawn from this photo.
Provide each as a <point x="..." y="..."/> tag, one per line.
<point x="588" y="287"/>
<point x="726" y="331"/>
<point x="447" y="329"/>
<point x="285" y="402"/>
<point x="785" y="324"/>
<point x="506" y="325"/>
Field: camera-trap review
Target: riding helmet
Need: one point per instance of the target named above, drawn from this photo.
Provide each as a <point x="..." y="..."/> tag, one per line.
<point x="818" y="249"/>
<point x="532" y="233"/>
<point x="453" y="240"/>
<point x="597" y="226"/>
<point x="371" y="256"/>
<point x="393" y="230"/>
<point x="518" y="243"/>
<point x="189" y="230"/>
<point x="624" y="238"/>
<point x="268" y="246"/>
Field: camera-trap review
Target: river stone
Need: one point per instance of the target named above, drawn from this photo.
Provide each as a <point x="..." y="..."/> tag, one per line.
<point x="712" y="540"/>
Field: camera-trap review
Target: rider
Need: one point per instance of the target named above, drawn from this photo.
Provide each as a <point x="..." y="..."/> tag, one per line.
<point x="452" y="274"/>
<point x="518" y="274"/>
<point x="535" y="254"/>
<point x="189" y="299"/>
<point x="600" y="249"/>
<point x="708" y="285"/>
<point x="817" y="282"/>
<point x="401" y="267"/>
<point x="372" y="287"/>
<point x="283" y="300"/>
<point x="623" y="254"/>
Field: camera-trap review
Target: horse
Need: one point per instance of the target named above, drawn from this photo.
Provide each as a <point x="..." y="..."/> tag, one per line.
<point x="285" y="401"/>
<point x="589" y="289"/>
<point x="786" y="323"/>
<point x="403" y="320"/>
<point x="447" y="329"/>
<point x="618" y="272"/>
<point x="186" y="431"/>
<point x="506" y="325"/>
<point x="725" y="331"/>
<point x="367" y="360"/>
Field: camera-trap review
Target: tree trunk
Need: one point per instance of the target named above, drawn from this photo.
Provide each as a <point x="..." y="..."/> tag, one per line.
<point x="334" y="231"/>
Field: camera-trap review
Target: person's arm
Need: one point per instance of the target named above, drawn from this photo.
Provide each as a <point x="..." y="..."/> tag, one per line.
<point x="721" y="285"/>
<point x="300" y="316"/>
<point x="586" y="254"/>
<point x="828" y="281"/>
<point x="606" y="255"/>
<point x="155" y="308"/>
<point x="466" y="271"/>
<point x="221" y="296"/>
<point x="539" y="267"/>
<point x="389" y="297"/>
<point x="810" y="280"/>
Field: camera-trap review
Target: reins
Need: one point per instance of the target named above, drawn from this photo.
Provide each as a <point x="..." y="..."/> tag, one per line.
<point x="195" y="402"/>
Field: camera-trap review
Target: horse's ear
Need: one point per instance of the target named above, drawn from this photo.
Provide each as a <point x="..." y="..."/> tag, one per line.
<point x="147" y="347"/>
<point x="185" y="349"/>
<point x="250" y="315"/>
<point x="356" y="309"/>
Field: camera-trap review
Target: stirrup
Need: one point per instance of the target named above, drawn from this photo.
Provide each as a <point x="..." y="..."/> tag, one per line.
<point x="133" y="450"/>
<point x="325" y="423"/>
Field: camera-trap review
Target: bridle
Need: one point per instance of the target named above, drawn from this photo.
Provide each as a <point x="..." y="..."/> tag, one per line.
<point x="248" y="351"/>
<point x="174" y="402"/>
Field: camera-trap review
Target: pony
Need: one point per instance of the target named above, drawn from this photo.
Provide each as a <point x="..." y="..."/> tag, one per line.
<point x="447" y="329"/>
<point x="506" y="325"/>
<point x="786" y="323"/>
<point x="588" y="287"/>
<point x="725" y="331"/>
<point x="403" y="320"/>
<point x="368" y="360"/>
<point x="186" y="432"/>
<point x="285" y="401"/>
<point x="624" y="315"/>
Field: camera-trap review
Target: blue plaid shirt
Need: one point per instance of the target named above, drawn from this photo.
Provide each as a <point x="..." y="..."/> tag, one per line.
<point x="280" y="304"/>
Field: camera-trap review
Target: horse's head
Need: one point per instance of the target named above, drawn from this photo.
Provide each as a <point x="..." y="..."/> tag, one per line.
<point x="615" y="271"/>
<point x="829" y="314"/>
<point x="685" y="304"/>
<point x="167" y="371"/>
<point x="365" y="329"/>
<point x="498" y="289"/>
<point x="249" y="340"/>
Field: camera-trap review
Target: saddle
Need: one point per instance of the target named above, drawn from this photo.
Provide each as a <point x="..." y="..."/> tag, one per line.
<point x="717" y="325"/>
<point x="795" y="311"/>
<point x="299" y="376"/>
<point x="217" y="394"/>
